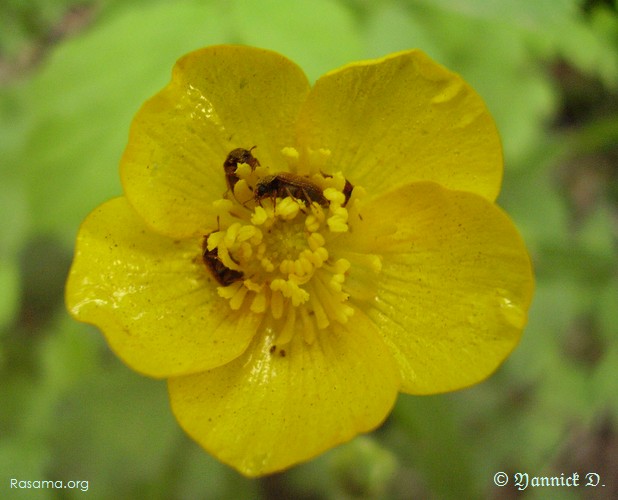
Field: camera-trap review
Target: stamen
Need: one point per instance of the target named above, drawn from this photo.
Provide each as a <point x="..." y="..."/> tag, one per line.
<point x="316" y="240"/>
<point x="276" y="304"/>
<point x="287" y="331"/>
<point x="259" y="303"/>
<point x="278" y="233"/>
<point x="238" y="298"/>
<point x="320" y="315"/>
<point x="308" y="329"/>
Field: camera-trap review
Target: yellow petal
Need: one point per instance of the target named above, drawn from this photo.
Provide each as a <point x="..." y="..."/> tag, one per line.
<point x="152" y="297"/>
<point x="455" y="285"/>
<point x="267" y="411"/>
<point x="400" y="119"/>
<point x="220" y="98"/>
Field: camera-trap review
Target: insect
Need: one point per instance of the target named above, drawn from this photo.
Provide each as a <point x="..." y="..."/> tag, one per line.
<point x="223" y="274"/>
<point x="286" y="184"/>
<point x="236" y="156"/>
<point x="273" y="350"/>
<point x="347" y="191"/>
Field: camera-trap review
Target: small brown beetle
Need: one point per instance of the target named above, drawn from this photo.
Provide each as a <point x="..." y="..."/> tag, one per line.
<point x="236" y="156"/>
<point x="223" y="274"/>
<point x="286" y="184"/>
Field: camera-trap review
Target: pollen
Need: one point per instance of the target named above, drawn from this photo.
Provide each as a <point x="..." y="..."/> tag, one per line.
<point x="279" y="234"/>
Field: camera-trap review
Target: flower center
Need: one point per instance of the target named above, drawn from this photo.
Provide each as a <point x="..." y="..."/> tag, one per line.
<point x="271" y="253"/>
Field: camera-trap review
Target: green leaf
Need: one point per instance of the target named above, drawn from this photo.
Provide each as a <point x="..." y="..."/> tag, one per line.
<point x="196" y="474"/>
<point x="9" y="292"/>
<point x="109" y="425"/>
<point x="320" y="35"/>
<point x="23" y="460"/>
<point x="362" y="468"/>
<point x="590" y="45"/>
<point x="392" y="27"/>
<point x="435" y="444"/>
<point x="607" y="311"/>
<point x="80" y="105"/>
<point x="15" y="223"/>
<point x="532" y="199"/>
<point x="524" y="14"/>
<point x="596" y="233"/>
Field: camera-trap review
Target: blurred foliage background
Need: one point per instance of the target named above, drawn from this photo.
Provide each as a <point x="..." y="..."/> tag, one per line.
<point x="72" y="75"/>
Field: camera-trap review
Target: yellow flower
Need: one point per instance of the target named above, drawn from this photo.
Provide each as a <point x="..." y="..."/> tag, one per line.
<point x="291" y="257"/>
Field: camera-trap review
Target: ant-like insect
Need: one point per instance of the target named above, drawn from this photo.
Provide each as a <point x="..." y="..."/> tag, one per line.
<point x="223" y="274"/>
<point x="230" y="165"/>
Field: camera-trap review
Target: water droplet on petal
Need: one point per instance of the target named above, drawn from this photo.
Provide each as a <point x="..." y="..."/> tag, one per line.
<point x="514" y="314"/>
